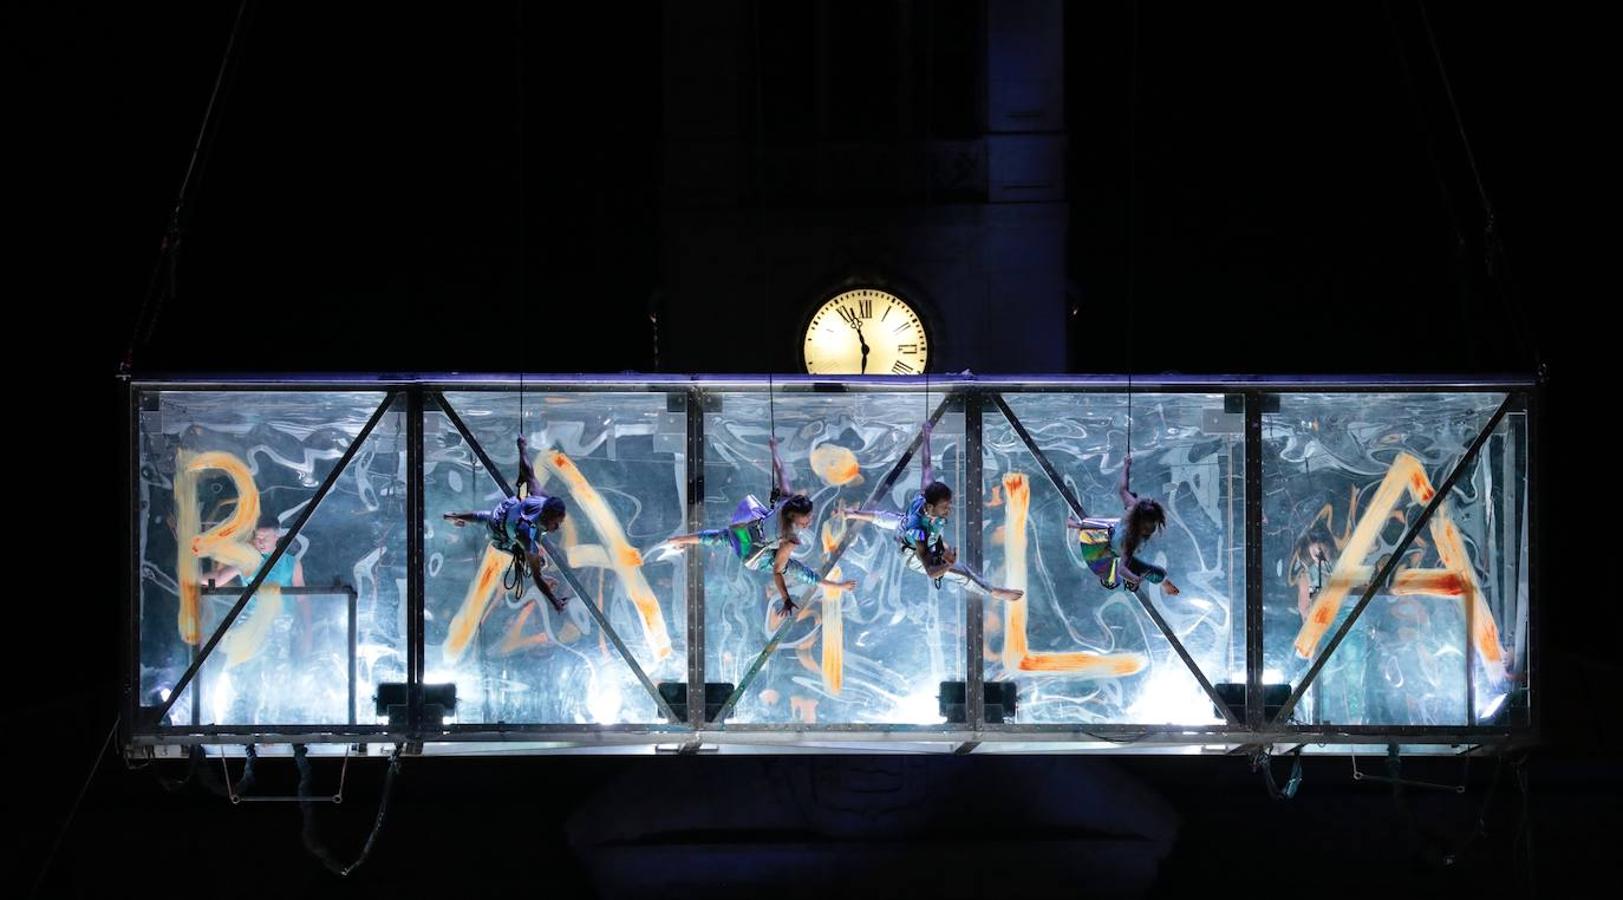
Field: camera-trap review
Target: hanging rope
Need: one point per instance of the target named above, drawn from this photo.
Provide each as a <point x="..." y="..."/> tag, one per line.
<point x="1459" y="124"/>
<point x="235" y="792"/>
<point x="519" y="489"/>
<point x="1262" y="760"/>
<point x="772" y="419"/>
<point x="922" y="449"/>
<point x="513" y="579"/>
<point x="523" y="257"/>
<point x="73" y="811"/>
<point x="758" y="178"/>
<point x="312" y="841"/>
<point x="161" y="284"/>
<point x="927" y="394"/>
<point x="1132" y="209"/>
<point x="1494" y="259"/>
<point x="1128" y="472"/>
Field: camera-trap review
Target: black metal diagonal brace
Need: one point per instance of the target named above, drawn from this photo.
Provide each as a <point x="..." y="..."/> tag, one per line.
<point x="1392" y="560"/>
<point x="473" y="444"/>
<point x="613" y="636"/>
<point x="1042" y="459"/>
<point x="879" y="490"/>
<point x="560" y="561"/>
<point x="271" y="561"/>
<point x="1149" y="608"/>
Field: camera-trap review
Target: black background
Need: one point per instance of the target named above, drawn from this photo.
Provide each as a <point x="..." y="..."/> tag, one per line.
<point x="1300" y="185"/>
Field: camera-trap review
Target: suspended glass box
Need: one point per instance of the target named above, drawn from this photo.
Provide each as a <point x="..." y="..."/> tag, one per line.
<point x="1351" y="560"/>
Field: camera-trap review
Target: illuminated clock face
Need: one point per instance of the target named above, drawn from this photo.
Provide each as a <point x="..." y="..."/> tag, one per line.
<point x="865" y="332"/>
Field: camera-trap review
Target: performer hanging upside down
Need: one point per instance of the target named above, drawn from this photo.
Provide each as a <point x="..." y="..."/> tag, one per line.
<point x="516" y="525"/>
<point x="921" y="530"/>
<point x="746" y="535"/>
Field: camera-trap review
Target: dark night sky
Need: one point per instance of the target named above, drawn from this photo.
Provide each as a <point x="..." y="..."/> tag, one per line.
<point x="361" y="205"/>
